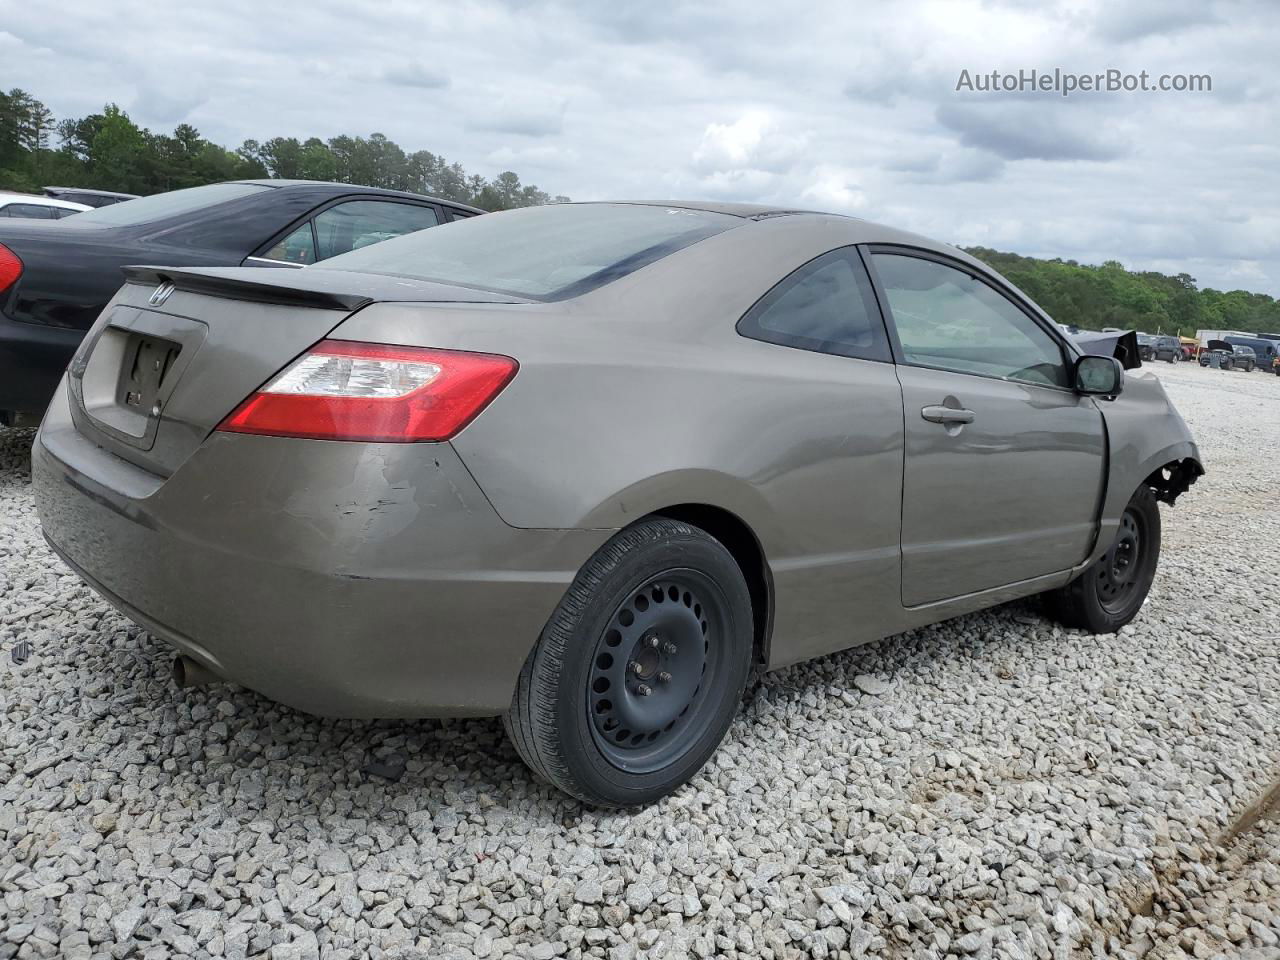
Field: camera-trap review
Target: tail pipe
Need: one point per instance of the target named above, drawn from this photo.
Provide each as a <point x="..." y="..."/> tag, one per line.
<point x="191" y="673"/>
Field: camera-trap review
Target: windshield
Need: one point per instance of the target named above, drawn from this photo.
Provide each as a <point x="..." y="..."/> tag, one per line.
<point x="160" y="206"/>
<point x="545" y="253"/>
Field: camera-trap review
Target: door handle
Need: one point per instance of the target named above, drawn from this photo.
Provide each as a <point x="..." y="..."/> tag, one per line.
<point x="940" y="414"/>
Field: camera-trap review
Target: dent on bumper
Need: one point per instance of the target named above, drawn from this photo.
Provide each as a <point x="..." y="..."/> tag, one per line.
<point x="341" y="579"/>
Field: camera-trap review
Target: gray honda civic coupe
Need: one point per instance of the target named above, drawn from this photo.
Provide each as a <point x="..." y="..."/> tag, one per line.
<point x="591" y="466"/>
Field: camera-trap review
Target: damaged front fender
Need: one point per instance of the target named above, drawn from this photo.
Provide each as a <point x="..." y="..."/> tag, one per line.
<point x="1148" y="443"/>
<point x="1174" y="479"/>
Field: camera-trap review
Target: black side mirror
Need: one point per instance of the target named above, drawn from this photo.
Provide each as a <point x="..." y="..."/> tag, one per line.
<point x="1099" y="376"/>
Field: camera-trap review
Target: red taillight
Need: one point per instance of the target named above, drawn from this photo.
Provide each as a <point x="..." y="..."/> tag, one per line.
<point x="343" y="390"/>
<point x="10" y="268"/>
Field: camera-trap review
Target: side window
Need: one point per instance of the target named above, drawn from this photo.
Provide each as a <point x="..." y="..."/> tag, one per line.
<point x="298" y="247"/>
<point x="35" y="211"/>
<point x="826" y="305"/>
<point x="947" y="319"/>
<point x="359" y="223"/>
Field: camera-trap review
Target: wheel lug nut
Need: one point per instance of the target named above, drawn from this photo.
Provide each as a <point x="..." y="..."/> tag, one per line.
<point x="669" y="648"/>
<point x="644" y="690"/>
<point x="636" y="667"/>
<point x="664" y="677"/>
<point x="653" y="640"/>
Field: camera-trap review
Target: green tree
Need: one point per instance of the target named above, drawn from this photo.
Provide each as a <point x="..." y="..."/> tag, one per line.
<point x="1108" y="295"/>
<point x="115" y="151"/>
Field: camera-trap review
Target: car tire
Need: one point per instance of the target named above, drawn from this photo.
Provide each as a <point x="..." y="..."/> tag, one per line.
<point x="580" y="717"/>
<point x="1173" y="358"/>
<point x="1112" y="590"/>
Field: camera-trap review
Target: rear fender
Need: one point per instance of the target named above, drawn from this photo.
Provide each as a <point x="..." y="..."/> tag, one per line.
<point x="658" y="492"/>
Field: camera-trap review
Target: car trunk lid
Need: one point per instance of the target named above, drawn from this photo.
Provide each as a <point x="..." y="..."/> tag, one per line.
<point x="179" y="349"/>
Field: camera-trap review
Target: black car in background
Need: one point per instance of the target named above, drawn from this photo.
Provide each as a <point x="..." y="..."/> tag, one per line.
<point x="56" y="276"/>
<point x="90" y="198"/>
<point x="1229" y="356"/>
<point x="1265" y="350"/>
<point x="1166" y="348"/>
<point x="1159" y="347"/>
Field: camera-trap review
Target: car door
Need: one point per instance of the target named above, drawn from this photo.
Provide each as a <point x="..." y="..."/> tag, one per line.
<point x="1004" y="462"/>
<point x="836" y="411"/>
<point x="342" y="227"/>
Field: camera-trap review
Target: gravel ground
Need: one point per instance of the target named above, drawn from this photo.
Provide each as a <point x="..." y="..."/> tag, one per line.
<point x="993" y="786"/>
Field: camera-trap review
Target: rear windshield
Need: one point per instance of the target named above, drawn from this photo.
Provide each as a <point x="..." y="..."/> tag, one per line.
<point x="160" y="206"/>
<point x="544" y="253"/>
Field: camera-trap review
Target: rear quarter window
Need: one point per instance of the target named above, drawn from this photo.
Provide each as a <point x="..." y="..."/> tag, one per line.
<point x="544" y="253"/>
<point x="160" y="206"/>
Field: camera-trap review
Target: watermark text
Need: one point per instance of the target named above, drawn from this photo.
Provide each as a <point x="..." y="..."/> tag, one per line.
<point x="1066" y="83"/>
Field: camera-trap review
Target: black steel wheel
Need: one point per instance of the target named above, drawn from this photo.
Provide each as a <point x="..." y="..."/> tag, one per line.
<point x="1119" y="570"/>
<point x="654" y="669"/>
<point x="640" y="670"/>
<point x="1111" y="591"/>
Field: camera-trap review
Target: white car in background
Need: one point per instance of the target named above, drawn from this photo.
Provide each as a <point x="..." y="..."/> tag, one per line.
<point x="32" y="207"/>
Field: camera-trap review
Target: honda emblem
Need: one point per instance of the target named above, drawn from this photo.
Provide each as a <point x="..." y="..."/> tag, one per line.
<point x="161" y="294"/>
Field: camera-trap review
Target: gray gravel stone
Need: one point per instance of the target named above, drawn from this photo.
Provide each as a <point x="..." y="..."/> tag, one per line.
<point x="870" y="685"/>
<point x="125" y="923"/>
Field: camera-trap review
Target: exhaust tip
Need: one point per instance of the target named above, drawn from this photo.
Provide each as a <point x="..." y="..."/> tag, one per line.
<point x="189" y="673"/>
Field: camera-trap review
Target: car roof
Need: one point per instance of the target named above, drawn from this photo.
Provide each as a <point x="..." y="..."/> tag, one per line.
<point x="870" y="231"/>
<point x="751" y="211"/>
<point x="867" y="231"/>
<point x="94" y="193"/>
<point x="339" y="188"/>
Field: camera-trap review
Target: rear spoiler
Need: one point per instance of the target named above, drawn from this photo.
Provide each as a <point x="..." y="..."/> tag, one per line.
<point x="236" y="288"/>
<point x="1122" y="346"/>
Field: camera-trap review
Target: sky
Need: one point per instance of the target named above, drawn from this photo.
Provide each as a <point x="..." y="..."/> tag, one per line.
<point x="841" y="106"/>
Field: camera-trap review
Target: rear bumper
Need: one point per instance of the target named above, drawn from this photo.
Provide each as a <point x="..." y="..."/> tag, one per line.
<point x="341" y="579"/>
<point x="32" y="358"/>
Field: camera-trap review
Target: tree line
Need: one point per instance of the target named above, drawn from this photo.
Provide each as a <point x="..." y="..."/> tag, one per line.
<point x="1093" y="297"/>
<point x="108" y="151"/>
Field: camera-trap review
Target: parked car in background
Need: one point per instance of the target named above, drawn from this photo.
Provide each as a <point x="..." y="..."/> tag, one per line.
<point x="25" y="206"/>
<point x="1165" y="348"/>
<point x="1152" y="347"/>
<point x="586" y="466"/>
<point x="1228" y="356"/>
<point x="92" y="198"/>
<point x="1264" y="350"/>
<point x="55" y="278"/>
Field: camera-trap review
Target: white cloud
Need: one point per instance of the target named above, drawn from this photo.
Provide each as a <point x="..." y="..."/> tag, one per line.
<point x="539" y="157"/>
<point x="752" y="142"/>
<point x="415" y="75"/>
<point x="834" y="189"/>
